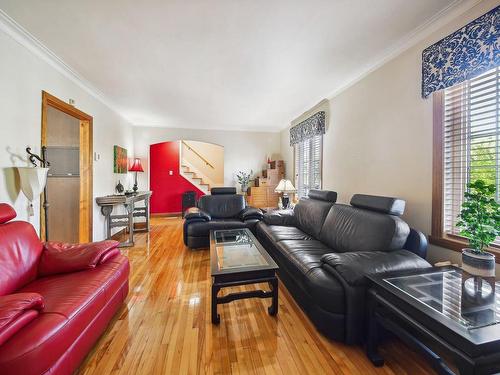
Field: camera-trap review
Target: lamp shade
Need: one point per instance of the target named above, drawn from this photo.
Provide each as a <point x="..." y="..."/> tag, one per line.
<point x="285" y="186"/>
<point x="136" y="166"/>
<point x="33" y="180"/>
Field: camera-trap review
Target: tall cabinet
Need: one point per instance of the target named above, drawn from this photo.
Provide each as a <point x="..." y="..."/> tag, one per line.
<point x="262" y="195"/>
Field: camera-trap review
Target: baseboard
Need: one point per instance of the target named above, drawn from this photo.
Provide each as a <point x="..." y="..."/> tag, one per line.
<point x="167" y="214"/>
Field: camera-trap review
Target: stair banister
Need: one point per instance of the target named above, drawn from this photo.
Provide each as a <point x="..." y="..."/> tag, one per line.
<point x="198" y="154"/>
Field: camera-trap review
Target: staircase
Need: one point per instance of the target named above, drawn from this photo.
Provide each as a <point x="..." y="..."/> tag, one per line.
<point x="194" y="179"/>
<point x="193" y="167"/>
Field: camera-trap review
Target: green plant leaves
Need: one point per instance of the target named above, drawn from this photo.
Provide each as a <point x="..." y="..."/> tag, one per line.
<point x="479" y="219"/>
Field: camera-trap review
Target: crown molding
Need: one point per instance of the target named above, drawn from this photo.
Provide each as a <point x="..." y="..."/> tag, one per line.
<point x="438" y="20"/>
<point x="22" y="36"/>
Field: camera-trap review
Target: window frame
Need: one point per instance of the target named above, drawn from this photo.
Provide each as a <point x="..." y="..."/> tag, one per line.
<point x="438" y="237"/>
<point x="295" y="166"/>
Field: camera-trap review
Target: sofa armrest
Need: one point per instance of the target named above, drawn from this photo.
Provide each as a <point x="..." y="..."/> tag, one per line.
<point x="197" y="214"/>
<point x="354" y="266"/>
<point x="416" y="243"/>
<point x="16" y="311"/>
<point x="58" y="257"/>
<point x="251" y="213"/>
<point x="280" y="217"/>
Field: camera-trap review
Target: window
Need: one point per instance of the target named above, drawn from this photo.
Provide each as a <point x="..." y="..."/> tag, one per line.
<point x="466" y="145"/>
<point x="308" y="164"/>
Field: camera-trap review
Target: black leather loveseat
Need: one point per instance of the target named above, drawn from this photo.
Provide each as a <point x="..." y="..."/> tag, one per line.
<point x="324" y="250"/>
<point x="223" y="209"/>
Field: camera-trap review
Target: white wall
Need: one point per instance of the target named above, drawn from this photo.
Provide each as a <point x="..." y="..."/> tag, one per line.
<point x="379" y="136"/>
<point x="23" y="76"/>
<point x="243" y="150"/>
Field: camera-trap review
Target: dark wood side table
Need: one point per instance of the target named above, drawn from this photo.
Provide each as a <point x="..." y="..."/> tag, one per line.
<point x="237" y="258"/>
<point x="431" y="311"/>
<point x="107" y="203"/>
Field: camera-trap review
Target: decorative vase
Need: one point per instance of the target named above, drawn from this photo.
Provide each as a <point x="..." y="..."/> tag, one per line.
<point x="478" y="264"/>
<point x="244" y="188"/>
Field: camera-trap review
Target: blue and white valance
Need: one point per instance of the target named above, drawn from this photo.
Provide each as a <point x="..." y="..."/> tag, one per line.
<point x="463" y="55"/>
<point x="314" y="125"/>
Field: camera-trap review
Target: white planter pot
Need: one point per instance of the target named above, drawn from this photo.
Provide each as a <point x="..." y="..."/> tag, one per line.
<point x="478" y="264"/>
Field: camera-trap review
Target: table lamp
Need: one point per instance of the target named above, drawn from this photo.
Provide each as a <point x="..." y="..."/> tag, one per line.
<point x="136" y="167"/>
<point x="285" y="187"/>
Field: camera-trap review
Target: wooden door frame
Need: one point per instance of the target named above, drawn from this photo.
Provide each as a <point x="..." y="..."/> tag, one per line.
<point x="86" y="161"/>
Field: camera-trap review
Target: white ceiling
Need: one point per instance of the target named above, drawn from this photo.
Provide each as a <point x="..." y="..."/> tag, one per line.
<point x="224" y="64"/>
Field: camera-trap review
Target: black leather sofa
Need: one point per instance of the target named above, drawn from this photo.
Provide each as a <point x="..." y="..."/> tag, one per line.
<point x="324" y="250"/>
<point x="222" y="209"/>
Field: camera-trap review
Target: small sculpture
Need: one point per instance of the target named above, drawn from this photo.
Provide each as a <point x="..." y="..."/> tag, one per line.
<point x="119" y="188"/>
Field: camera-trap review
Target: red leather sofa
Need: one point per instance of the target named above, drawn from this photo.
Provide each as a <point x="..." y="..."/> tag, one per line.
<point x="55" y="299"/>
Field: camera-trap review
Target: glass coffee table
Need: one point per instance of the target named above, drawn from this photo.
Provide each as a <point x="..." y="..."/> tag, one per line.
<point x="237" y="258"/>
<point x="438" y="310"/>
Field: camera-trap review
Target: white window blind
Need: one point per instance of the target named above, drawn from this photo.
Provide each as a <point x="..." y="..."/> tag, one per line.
<point x="308" y="155"/>
<point x="471" y="141"/>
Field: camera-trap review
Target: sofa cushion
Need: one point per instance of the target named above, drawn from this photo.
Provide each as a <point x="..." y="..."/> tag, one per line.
<point x="202" y="229"/>
<point x="279" y="233"/>
<point x="310" y="215"/>
<point x="348" y="228"/>
<point x="353" y="267"/>
<point x="17" y="310"/>
<point x="59" y="257"/>
<point x="7" y="213"/>
<point x="19" y="255"/>
<point x="385" y="205"/>
<point x="280" y="217"/>
<point x="302" y="259"/>
<point x="223" y="190"/>
<point x="72" y="301"/>
<point x="323" y="195"/>
<point x="222" y="206"/>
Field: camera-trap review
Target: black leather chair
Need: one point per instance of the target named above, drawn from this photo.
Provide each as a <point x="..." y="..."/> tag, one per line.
<point x="222" y="209"/>
<point x="324" y="250"/>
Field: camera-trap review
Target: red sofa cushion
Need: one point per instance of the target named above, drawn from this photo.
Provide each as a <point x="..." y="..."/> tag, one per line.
<point x="17" y="310"/>
<point x="20" y="251"/>
<point x="7" y="213"/>
<point x="72" y="302"/>
<point x="58" y="257"/>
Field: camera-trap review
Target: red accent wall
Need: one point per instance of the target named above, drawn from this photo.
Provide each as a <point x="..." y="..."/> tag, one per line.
<point x="167" y="189"/>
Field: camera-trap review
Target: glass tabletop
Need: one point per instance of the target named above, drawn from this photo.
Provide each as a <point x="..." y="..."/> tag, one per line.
<point x="455" y="295"/>
<point x="239" y="236"/>
<point x="237" y="250"/>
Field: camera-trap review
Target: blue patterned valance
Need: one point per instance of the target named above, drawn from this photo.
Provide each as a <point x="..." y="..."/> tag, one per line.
<point x="465" y="54"/>
<point x="314" y="125"/>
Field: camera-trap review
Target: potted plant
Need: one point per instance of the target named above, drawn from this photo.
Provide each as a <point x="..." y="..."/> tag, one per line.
<point x="244" y="179"/>
<point x="479" y="221"/>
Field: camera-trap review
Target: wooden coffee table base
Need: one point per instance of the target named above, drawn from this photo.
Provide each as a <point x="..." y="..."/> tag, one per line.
<point x="218" y="284"/>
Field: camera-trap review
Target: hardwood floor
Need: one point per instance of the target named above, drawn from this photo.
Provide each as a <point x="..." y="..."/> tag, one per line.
<point x="165" y="327"/>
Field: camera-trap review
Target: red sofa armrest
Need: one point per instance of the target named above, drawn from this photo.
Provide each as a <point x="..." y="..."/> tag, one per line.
<point x="17" y="310"/>
<point x="58" y="257"/>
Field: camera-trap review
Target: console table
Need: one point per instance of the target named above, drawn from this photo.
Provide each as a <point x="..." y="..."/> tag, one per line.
<point x="108" y="202"/>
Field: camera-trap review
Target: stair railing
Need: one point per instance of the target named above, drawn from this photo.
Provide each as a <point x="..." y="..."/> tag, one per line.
<point x="198" y="154"/>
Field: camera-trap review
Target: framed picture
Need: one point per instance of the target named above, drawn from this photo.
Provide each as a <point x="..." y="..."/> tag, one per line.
<point x="120" y="160"/>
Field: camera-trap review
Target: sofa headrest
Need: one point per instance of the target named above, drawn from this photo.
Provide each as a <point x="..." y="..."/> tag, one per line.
<point x="7" y="213"/>
<point x="323" y="195"/>
<point x="222" y="190"/>
<point x="386" y="205"/>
